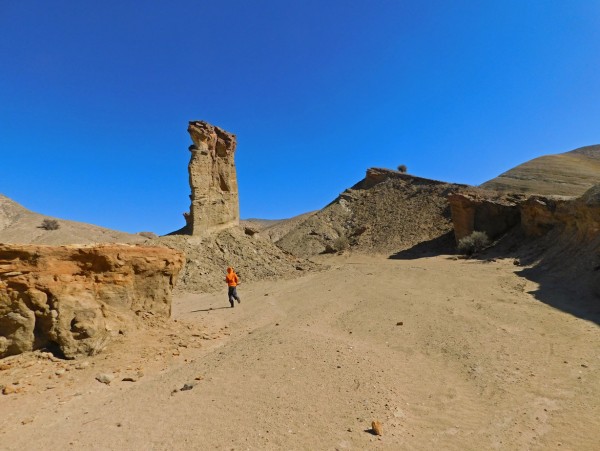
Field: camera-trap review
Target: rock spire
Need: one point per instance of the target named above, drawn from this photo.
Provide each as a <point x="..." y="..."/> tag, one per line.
<point x="213" y="180"/>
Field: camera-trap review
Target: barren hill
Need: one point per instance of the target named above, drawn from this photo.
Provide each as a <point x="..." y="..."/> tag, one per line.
<point x="19" y="225"/>
<point x="386" y="212"/>
<point x="566" y="174"/>
<point x="274" y="229"/>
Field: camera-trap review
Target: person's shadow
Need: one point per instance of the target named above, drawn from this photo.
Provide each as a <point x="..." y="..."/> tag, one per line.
<point x="209" y="309"/>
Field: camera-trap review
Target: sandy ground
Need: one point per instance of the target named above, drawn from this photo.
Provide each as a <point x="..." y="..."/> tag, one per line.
<point x="446" y="354"/>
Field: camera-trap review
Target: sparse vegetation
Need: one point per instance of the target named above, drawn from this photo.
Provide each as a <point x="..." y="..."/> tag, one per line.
<point x="149" y="235"/>
<point x="475" y="242"/>
<point x="402" y="168"/>
<point x="50" y="224"/>
<point x="341" y="243"/>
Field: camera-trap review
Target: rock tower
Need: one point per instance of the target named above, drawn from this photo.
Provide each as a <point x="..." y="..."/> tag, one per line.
<point x="213" y="180"/>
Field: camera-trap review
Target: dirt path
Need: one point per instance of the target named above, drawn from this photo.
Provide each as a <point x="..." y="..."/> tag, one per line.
<point x="446" y="354"/>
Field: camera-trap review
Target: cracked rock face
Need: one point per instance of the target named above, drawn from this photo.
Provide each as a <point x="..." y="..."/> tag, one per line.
<point x="76" y="297"/>
<point x="213" y="180"/>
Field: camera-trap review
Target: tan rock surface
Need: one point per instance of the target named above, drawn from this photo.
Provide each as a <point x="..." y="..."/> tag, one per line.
<point x="213" y="180"/>
<point x="567" y="174"/>
<point x="76" y="297"/>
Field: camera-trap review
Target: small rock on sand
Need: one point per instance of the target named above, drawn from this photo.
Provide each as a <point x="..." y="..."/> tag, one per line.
<point x="11" y="390"/>
<point x="187" y="386"/>
<point x="105" y="378"/>
<point x="377" y="428"/>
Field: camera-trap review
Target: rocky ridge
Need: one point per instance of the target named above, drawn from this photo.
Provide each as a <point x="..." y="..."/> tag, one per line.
<point x="386" y="212"/>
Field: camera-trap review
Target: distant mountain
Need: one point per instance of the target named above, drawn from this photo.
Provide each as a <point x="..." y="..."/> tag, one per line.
<point x="19" y="225"/>
<point x="566" y="174"/>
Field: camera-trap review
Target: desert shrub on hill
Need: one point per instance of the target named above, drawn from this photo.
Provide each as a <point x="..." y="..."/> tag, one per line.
<point x="341" y="243"/>
<point x="150" y="235"/>
<point x="402" y="168"/>
<point x="50" y="224"/>
<point x="475" y="242"/>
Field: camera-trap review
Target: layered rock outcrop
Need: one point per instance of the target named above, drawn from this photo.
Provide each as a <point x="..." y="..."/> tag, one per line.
<point x="478" y="210"/>
<point x="76" y="297"/>
<point x="496" y="214"/>
<point x="560" y="237"/>
<point x="213" y="180"/>
<point x="579" y="217"/>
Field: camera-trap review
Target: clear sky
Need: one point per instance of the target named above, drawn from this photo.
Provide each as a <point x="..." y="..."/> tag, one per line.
<point x="95" y="97"/>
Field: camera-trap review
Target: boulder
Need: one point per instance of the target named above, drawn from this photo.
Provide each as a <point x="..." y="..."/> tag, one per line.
<point x="76" y="297"/>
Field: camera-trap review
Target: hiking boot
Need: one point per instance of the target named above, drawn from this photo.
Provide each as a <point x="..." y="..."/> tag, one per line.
<point x="239" y="301"/>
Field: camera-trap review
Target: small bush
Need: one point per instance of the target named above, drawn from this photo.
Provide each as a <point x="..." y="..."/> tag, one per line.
<point x="340" y="243"/>
<point x="402" y="168"/>
<point x="475" y="242"/>
<point x="50" y="224"/>
<point x="150" y="235"/>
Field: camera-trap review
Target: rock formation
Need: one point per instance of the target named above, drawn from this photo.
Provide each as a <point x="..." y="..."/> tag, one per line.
<point x="496" y="214"/>
<point x="76" y="297"/>
<point x="578" y="217"/>
<point x="484" y="211"/>
<point x="213" y="181"/>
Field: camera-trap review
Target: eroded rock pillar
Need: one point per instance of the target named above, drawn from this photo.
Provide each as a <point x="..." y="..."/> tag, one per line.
<point x="213" y="180"/>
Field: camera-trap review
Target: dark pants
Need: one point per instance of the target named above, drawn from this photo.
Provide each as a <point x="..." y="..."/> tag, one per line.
<point x="233" y="295"/>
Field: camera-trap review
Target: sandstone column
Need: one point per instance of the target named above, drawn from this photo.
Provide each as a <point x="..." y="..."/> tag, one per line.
<point x="213" y="180"/>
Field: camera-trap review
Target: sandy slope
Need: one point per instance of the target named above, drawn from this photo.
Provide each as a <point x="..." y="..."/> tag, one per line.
<point x="478" y="363"/>
<point x="19" y="225"/>
<point x="567" y="174"/>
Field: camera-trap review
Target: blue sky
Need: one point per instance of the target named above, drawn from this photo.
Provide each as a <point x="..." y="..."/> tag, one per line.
<point x="95" y="97"/>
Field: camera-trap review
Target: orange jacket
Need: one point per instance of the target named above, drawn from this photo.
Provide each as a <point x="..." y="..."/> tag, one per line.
<point x="231" y="278"/>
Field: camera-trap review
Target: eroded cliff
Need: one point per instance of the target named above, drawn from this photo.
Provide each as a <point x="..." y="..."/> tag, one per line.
<point x="76" y="297"/>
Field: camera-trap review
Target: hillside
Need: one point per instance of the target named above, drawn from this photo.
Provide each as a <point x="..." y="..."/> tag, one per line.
<point x="19" y="225"/>
<point x="274" y="229"/>
<point x="386" y="212"/>
<point x="566" y="174"/>
<point x="254" y="258"/>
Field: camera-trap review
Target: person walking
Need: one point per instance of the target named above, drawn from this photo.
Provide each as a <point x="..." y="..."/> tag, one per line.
<point x="232" y="280"/>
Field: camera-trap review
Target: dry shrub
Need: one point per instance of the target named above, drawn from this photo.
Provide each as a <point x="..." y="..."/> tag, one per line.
<point x="50" y="224"/>
<point x="475" y="242"/>
<point x="340" y="243"/>
<point x="402" y="168"/>
<point x="149" y="235"/>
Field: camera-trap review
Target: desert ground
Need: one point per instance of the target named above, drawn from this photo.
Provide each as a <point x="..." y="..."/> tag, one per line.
<point x="446" y="353"/>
